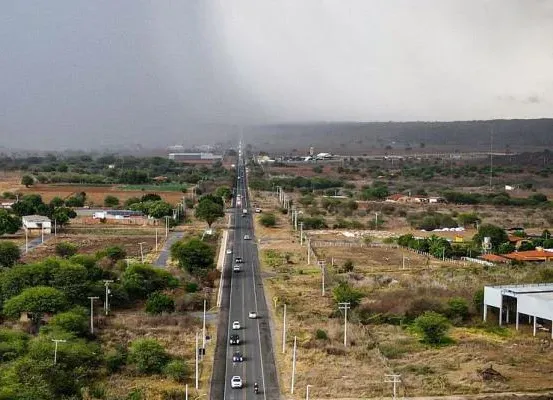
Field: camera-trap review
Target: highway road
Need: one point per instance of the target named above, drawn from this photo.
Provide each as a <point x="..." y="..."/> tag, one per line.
<point x="242" y="293"/>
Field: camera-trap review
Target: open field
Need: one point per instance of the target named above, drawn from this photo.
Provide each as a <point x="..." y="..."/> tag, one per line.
<point x="377" y="348"/>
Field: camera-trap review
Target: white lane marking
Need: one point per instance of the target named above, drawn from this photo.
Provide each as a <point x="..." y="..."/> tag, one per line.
<point x="228" y="325"/>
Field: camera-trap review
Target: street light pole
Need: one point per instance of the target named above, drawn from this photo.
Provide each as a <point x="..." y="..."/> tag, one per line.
<point x="203" y="327"/>
<point x="345" y="306"/>
<point x="301" y="233"/>
<point x="26" y="241"/>
<point x="141" y="252"/>
<point x="322" y="264"/>
<point x="106" y="303"/>
<point x="56" y="341"/>
<point x="92" y="313"/>
<point x="294" y="365"/>
<point x="156" y="239"/>
<point x="284" y="331"/>
<point x="197" y="359"/>
<point x="307" y="392"/>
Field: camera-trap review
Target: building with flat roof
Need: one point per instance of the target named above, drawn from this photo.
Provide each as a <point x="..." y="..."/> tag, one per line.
<point x="535" y="301"/>
<point x="192" y="157"/>
<point x="37" y="223"/>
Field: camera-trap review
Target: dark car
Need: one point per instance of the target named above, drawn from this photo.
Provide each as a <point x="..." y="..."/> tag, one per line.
<point x="237" y="357"/>
<point x="238" y="260"/>
<point x="234" y="339"/>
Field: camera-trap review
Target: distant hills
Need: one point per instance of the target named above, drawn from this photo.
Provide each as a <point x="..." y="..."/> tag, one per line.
<point x="378" y="137"/>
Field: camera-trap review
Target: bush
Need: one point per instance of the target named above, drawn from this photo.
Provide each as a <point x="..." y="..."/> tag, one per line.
<point x="9" y="254"/>
<point x="432" y="326"/>
<point x="66" y="249"/>
<point x="115" y="253"/>
<point x="457" y="309"/>
<point x="159" y="303"/>
<point x="115" y="359"/>
<point x="268" y="220"/>
<point x="321" y="334"/>
<point x="176" y="370"/>
<point x="148" y="355"/>
<point x="343" y="293"/>
<point x="348" y="266"/>
<point x="191" y="287"/>
<point x="140" y="280"/>
<point x="111" y="201"/>
<point x="74" y="321"/>
<point x="478" y="300"/>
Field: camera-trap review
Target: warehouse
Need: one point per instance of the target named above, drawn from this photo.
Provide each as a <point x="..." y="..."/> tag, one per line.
<point x="532" y="301"/>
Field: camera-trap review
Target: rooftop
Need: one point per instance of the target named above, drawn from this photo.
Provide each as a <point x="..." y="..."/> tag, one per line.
<point x="36" y="218"/>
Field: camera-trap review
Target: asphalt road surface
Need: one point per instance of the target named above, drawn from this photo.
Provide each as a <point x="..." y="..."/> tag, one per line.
<point x="165" y="252"/>
<point x="242" y="293"/>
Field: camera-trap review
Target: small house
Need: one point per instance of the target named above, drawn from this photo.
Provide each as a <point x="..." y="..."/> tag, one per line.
<point x="37" y="224"/>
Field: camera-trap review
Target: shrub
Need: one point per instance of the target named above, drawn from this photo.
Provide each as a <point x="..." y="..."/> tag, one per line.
<point x="66" y="249"/>
<point x="148" y="355"/>
<point x="457" y="309"/>
<point x="268" y="220"/>
<point x="191" y="287"/>
<point x="348" y="266"/>
<point x="9" y="254"/>
<point x="74" y="321"/>
<point x="159" y="303"/>
<point x="115" y="253"/>
<point x="321" y="334"/>
<point x="115" y="359"/>
<point x="478" y="300"/>
<point x="176" y="370"/>
<point x="111" y="201"/>
<point x="343" y="293"/>
<point x="432" y="326"/>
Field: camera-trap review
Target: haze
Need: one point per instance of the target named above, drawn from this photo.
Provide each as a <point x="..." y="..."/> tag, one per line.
<point x="78" y="74"/>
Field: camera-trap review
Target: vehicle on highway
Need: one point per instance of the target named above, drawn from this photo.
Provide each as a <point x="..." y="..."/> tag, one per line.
<point x="236" y="325"/>
<point x="234" y="339"/>
<point x="237" y="357"/>
<point x="246" y="237"/>
<point x="236" y="382"/>
<point x="252" y="314"/>
<point x="236" y="268"/>
<point x="238" y="260"/>
<point x="229" y="251"/>
<point x="258" y="210"/>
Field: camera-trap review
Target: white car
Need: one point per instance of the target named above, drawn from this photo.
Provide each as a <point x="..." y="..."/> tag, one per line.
<point x="246" y="237"/>
<point x="236" y="325"/>
<point x="258" y="210"/>
<point x="236" y="268"/>
<point x="229" y="251"/>
<point x="252" y="314"/>
<point x="236" y="382"/>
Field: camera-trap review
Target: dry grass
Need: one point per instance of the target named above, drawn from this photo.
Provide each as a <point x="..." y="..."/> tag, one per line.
<point x="375" y="350"/>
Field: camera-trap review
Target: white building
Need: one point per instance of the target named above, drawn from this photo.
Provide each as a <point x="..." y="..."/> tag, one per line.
<point x="38" y="223"/>
<point x="534" y="301"/>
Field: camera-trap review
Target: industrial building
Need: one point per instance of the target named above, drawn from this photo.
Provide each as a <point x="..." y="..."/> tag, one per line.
<point x="531" y="301"/>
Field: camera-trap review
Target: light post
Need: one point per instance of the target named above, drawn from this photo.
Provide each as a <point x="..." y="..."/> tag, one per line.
<point x="307" y="392"/>
<point x="56" y="341"/>
<point x="301" y="234"/>
<point x="141" y="252"/>
<point x="376" y="220"/>
<point x="322" y="264"/>
<point x="284" y="331"/>
<point x="294" y="365"/>
<point x="106" y="303"/>
<point x="197" y="360"/>
<point x="345" y="306"/>
<point x="156" y="239"/>
<point x="203" y="328"/>
<point x="92" y="313"/>
<point x="26" y="241"/>
<point x="166" y="226"/>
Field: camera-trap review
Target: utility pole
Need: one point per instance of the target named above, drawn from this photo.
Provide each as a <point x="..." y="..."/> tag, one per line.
<point x="166" y="226"/>
<point x="55" y="228"/>
<point x="376" y="221"/>
<point x="92" y="313"/>
<point x="156" y="239"/>
<point x="26" y="241"/>
<point x="345" y="306"/>
<point x="106" y="303"/>
<point x="56" y="341"/>
<point x="197" y="359"/>
<point x="301" y="234"/>
<point x="394" y="379"/>
<point x="203" y="328"/>
<point x="41" y="234"/>
<point x="322" y="264"/>
<point x="308" y="251"/>
<point x="307" y="392"/>
<point x="491" y="156"/>
<point x="186" y="392"/>
<point x="294" y="365"/>
<point x="284" y="331"/>
<point x="141" y="252"/>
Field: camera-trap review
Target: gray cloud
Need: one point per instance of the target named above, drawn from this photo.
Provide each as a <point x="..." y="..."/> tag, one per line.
<point x="78" y="73"/>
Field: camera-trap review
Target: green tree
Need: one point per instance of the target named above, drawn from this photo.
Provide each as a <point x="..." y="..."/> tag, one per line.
<point x="457" y="309"/>
<point x="36" y="301"/>
<point x="150" y="197"/>
<point x="193" y="255"/>
<point x="131" y="200"/>
<point x="348" y="266"/>
<point x="505" y="248"/>
<point x="148" y="355"/>
<point x="74" y="321"/>
<point x="177" y="370"/>
<point x="111" y="201"/>
<point x="496" y="234"/>
<point x="160" y="209"/>
<point x="62" y="215"/>
<point x="56" y="202"/>
<point x="432" y="326"/>
<point x="8" y="223"/>
<point x="140" y="280"/>
<point x="9" y="254"/>
<point x="116" y="253"/>
<point x="224" y="192"/>
<point x="66" y="249"/>
<point x="344" y="293"/>
<point x="159" y="303"/>
<point x="209" y="211"/>
<point x="27" y="180"/>
<point x="268" y="219"/>
<point x="469" y="219"/>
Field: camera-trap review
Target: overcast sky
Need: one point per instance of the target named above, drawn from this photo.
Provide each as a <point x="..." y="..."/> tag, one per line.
<point x="78" y="73"/>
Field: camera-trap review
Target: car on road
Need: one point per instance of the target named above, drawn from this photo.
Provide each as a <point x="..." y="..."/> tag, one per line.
<point x="258" y="210"/>
<point x="238" y="260"/>
<point x="229" y="251"/>
<point x="252" y="314"/>
<point x="234" y="339"/>
<point x="236" y="382"/>
<point x="246" y="237"/>
<point x="236" y="268"/>
<point x="236" y="325"/>
<point x="237" y="357"/>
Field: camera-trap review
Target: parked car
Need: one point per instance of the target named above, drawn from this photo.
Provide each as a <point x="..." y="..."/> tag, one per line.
<point x="236" y="325"/>
<point x="252" y="314"/>
<point x="236" y="382"/>
<point x="234" y="339"/>
<point x="237" y="357"/>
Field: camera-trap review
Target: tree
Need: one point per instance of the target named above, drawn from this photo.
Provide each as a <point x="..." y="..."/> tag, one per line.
<point x="348" y="266"/>
<point x="9" y="254"/>
<point x="343" y="293"/>
<point x="148" y="355"/>
<point x="66" y="249"/>
<point x="224" y="192"/>
<point x="457" y="309"/>
<point x="131" y="200"/>
<point x="160" y="209"/>
<point x="496" y="234"/>
<point x="74" y="321"/>
<point x="116" y="253"/>
<point x="27" y="180"/>
<point x="8" y="223"/>
<point x="140" y="280"/>
<point x="432" y="326"/>
<point x="268" y="219"/>
<point x="37" y="301"/>
<point x="193" y="255"/>
<point x="56" y="202"/>
<point x="159" y="303"/>
<point x="150" y="197"/>
<point x="62" y="215"/>
<point x="209" y="211"/>
<point x="469" y="219"/>
<point x="177" y="370"/>
<point x="111" y="201"/>
<point x="505" y="248"/>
